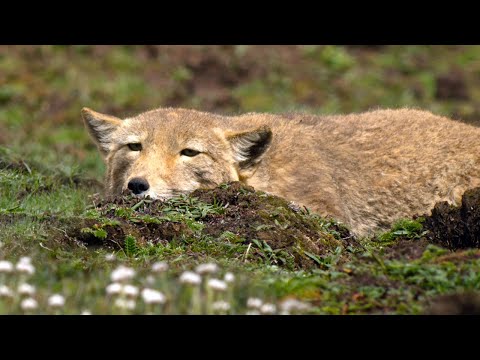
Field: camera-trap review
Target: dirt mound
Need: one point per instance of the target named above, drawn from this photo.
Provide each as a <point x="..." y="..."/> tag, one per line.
<point x="456" y="227"/>
<point x="406" y="249"/>
<point x="271" y="219"/>
<point x="232" y="212"/>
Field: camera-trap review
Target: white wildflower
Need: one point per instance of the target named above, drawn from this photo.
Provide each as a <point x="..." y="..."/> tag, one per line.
<point x="290" y="305"/>
<point x="114" y="288"/>
<point x="221" y="306"/>
<point x="25" y="260"/>
<point x="86" y="312"/>
<point x="191" y="278"/>
<point x="29" y="304"/>
<point x="122" y="273"/>
<point x="218" y="285"/>
<point x="208" y="268"/>
<point x="268" y="309"/>
<point x="5" y="291"/>
<point x="26" y="289"/>
<point x="229" y="277"/>
<point x="159" y="267"/>
<point x="254" y="303"/>
<point x="130" y="290"/>
<point x="151" y="296"/>
<point x="56" y="300"/>
<point x="6" y="266"/>
<point x="110" y="257"/>
<point x="25" y="267"/>
<point x="125" y="303"/>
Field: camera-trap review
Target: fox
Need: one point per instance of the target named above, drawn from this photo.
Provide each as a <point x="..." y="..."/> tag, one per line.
<point x="366" y="170"/>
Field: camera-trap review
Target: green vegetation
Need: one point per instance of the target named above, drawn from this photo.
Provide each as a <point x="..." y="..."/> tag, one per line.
<point x="294" y="261"/>
<point x="405" y="228"/>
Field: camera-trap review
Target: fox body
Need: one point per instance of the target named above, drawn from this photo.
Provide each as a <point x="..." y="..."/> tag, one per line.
<point x="366" y="170"/>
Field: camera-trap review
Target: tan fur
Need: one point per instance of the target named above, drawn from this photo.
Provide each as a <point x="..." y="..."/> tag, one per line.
<point x="366" y="170"/>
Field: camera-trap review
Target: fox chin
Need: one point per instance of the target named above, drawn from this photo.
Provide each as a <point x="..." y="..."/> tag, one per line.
<point x="366" y="169"/>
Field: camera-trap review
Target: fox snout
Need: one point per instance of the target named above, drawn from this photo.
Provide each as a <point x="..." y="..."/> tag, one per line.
<point x="138" y="185"/>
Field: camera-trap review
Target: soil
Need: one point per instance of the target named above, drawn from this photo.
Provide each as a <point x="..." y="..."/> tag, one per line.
<point x="406" y="249"/>
<point x="456" y="227"/>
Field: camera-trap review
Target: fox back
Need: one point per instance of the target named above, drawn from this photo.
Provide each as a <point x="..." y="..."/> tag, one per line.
<point x="366" y="170"/>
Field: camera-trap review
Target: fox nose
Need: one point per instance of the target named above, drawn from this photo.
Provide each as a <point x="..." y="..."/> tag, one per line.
<point x="138" y="185"/>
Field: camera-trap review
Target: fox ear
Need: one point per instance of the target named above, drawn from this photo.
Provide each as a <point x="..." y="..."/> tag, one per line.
<point x="250" y="146"/>
<point x="100" y="127"/>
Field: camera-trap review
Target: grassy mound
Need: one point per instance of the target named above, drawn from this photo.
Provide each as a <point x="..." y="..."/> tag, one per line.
<point x="232" y="213"/>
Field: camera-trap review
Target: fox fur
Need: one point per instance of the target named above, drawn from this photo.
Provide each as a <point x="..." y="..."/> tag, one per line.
<point x="366" y="169"/>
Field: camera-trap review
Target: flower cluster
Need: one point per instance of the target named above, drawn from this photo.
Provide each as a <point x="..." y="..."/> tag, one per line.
<point x="16" y="289"/>
<point x="206" y="289"/>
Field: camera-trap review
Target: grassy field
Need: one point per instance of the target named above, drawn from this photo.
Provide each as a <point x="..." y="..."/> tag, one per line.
<point x="57" y="237"/>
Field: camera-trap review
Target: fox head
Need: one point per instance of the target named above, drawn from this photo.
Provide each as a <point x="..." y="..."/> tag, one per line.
<point x="165" y="152"/>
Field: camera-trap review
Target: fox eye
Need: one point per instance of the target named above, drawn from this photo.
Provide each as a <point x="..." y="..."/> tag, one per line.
<point x="135" y="146"/>
<point x="189" y="152"/>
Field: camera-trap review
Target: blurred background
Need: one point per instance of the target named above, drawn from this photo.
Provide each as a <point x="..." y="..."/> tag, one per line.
<point x="43" y="88"/>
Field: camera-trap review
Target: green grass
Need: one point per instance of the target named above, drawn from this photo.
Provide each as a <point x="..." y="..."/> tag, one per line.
<point x="405" y="228"/>
<point x="46" y="159"/>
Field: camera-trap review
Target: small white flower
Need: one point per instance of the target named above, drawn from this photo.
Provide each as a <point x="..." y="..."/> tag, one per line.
<point x="218" y="285"/>
<point x="221" y="306"/>
<point x="86" y="312"/>
<point x="26" y="289"/>
<point x="56" y="300"/>
<point x="208" y="268"/>
<point x="110" y="257"/>
<point x="159" y="267"/>
<point x="25" y="267"/>
<point x="130" y="290"/>
<point x="124" y="303"/>
<point x="254" y="303"/>
<point x="114" y="288"/>
<point x="151" y="296"/>
<point x="6" y="266"/>
<point x="191" y="278"/>
<point x="25" y="260"/>
<point x="5" y="291"/>
<point x="268" y="309"/>
<point x="229" y="277"/>
<point x="29" y="304"/>
<point x="290" y="305"/>
<point x="122" y="273"/>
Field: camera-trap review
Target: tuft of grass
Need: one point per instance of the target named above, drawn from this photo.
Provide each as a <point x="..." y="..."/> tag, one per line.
<point x="404" y="228"/>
